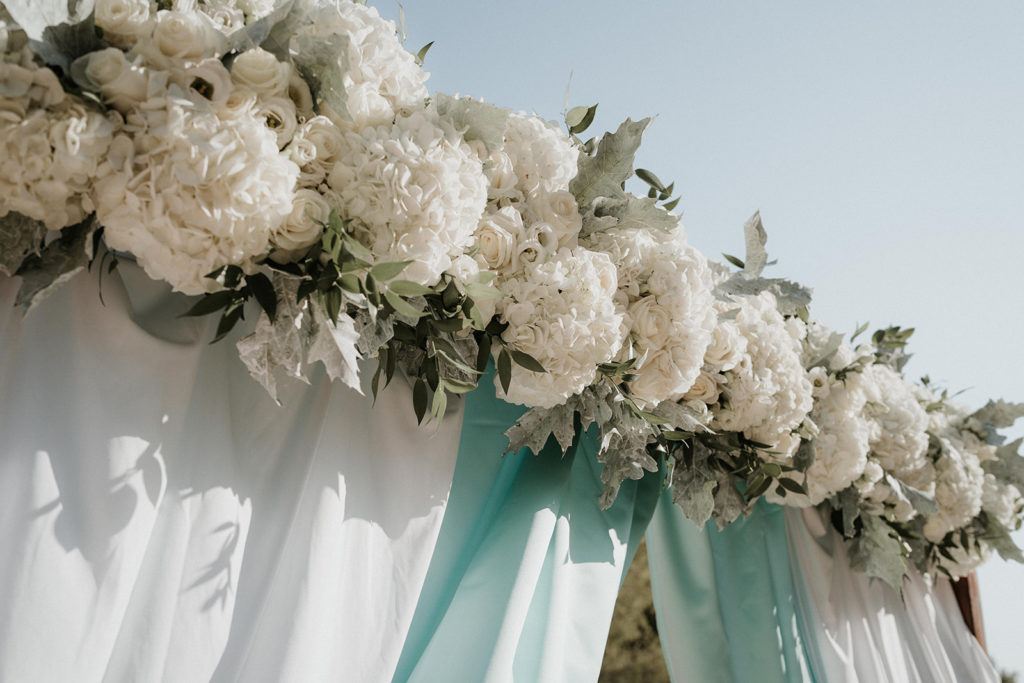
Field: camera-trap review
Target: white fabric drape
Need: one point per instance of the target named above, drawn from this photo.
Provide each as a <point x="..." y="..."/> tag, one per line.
<point x="861" y="629"/>
<point x="161" y="519"/>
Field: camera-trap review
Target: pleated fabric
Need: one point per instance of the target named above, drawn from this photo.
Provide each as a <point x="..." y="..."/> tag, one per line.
<point x="864" y="630"/>
<point x="725" y="600"/>
<point x="161" y="519"/>
<point x="524" y="578"/>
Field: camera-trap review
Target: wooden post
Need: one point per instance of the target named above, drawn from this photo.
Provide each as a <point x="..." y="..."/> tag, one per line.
<point x="969" y="600"/>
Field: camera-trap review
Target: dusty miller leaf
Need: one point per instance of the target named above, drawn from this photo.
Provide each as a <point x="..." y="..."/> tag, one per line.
<point x="835" y="340"/>
<point x="253" y="34"/>
<point x="59" y="261"/>
<point x="790" y="295"/>
<point x="592" y="223"/>
<point x="274" y="346"/>
<point x="755" y="238"/>
<point x="602" y="175"/>
<point x="847" y="502"/>
<point x="999" y="414"/>
<point x="334" y="345"/>
<point x="639" y="213"/>
<point x="692" y="487"/>
<point x="1000" y="539"/>
<point x="683" y="416"/>
<point x="480" y="121"/>
<point x="923" y="502"/>
<point x="623" y="450"/>
<point x="729" y="503"/>
<point x="20" y="236"/>
<point x="1008" y="465"/>
<point x="373" y="334"/>
<point x="537" y="424"/>
<point x="879" y="553"/>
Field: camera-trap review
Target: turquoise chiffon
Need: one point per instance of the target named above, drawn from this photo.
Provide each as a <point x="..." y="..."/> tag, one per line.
<point x="725" y="600"/>
<point x="523" y="579"/>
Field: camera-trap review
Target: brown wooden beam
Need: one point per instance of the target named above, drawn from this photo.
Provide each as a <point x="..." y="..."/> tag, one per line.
<point x="969" y="600"/>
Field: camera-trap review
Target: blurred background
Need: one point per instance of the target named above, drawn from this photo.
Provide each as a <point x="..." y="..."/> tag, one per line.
<point x="882" y="142"/>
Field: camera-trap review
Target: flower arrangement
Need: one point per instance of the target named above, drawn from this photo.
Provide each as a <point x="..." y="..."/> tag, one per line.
<point x="284" y="157"/>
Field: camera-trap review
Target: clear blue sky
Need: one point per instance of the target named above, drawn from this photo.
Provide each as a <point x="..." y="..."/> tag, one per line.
<point x="883" y="143"/>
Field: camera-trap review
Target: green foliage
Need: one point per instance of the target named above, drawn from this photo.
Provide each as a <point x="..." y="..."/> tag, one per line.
<point x="20" y="237"/>
<point x="56" y="263"/>
<point x="603" y="173"/>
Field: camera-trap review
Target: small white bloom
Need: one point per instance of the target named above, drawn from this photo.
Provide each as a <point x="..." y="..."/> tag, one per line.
<point x="261" y="72"/>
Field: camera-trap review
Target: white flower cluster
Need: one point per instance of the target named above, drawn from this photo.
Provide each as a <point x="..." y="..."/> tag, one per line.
<point x="562" y="313"/>
<point x="959" y="487"/>
<point x="664" y="289"/>
<point x="530" y="212"/>
<point x="51" y="144"/>
<point x="381" y="79"/>
<point x="413" y="190"/>
<point x="765" y="391"/>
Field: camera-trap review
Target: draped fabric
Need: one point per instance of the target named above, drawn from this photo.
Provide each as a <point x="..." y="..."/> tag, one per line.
<point x="725" y="600"/>
<point x="161" y="519"/>
<point x="773" y="598"/>
<point x="527" y="568"/>
<point x="864" y="631"/>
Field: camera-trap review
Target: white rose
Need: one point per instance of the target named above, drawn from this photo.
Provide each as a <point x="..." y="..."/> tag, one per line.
<point x="279" y="115"/>
<point x="658" y="379"/>
<point x="527" y="251"/>
<point x="302" y="228"/>
<point x="261" y="72"/>
<point x="502" y="178"/>
<point x="324" y="136"/>
<point x="120" y="83"/>
<point x="123" y="21"/>
<point x="726" y="349"/>
<point x="240" y="104"/>
<point x="498" y="236"/>
<point x="560" y="211"/>
<point x="211" y="79"/>
<point x="188" y="36"/>
<point x="545" y="235"/>
<point x="225" y="18"/>
<point x="652" y="324"/>
<point x="367" y="106"/>
<point x="704" y="389"/>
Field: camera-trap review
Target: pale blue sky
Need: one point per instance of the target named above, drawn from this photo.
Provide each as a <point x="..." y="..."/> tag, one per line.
<point x="883" y="143"/>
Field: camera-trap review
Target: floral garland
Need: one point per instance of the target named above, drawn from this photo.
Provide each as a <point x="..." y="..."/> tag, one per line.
<point x="286" y="157"/>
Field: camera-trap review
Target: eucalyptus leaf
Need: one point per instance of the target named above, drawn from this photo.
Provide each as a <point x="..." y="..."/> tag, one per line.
<point x="20" y="236"/>
<point x="602" y="174"/>
<point x="390" y="270"/>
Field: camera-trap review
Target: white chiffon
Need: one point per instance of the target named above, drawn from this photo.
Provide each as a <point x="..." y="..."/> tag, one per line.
<point x="862" y="631"/>
<point x="161" y="519"/>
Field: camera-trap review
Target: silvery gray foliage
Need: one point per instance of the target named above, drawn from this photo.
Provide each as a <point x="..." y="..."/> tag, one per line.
<point x="755" y="237"/>
<point x="59" y="30"/>
<point x="480" y="120"/>
<point x="20" y="236"/>
<point x="999" y="414"/>
<point x="924" y="503"/>
<point x="58" y="262"/>
<point x="623" y="449"/>
<point x="729" y="502"/>
<point x="602" y="174"/>
<point x="374" y="332"/>
<point x="790" y="295"/>
<point x="693" y="487"/>
<point x="835" y="340"/>
<point x="322" y="61"/>
<point x="999" y="538"/>
<point x="282" y="20"/>
<point x="879" y="552"/>
<point x="1008" y="465"/>
<point x="639" y="213"/>
<point x="299" y="336"/>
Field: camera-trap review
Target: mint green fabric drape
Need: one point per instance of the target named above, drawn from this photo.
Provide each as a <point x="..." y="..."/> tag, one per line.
<point x="526" y="569"/>
<point x="725" y="600"/>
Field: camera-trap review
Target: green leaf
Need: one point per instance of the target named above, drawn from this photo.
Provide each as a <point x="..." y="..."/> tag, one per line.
<point x="651" y="179"/>
<point x="419" y="399"/>
<point x="449" y="324"/>
<point x="526" y="360"/>
<point x="733" y="260"/>
<point x="668" y="206"/>
<point x="674" y="435"/>
<point x="483" y="352"/>
<point x="261" y="287"/>
<point x="792" y="486"/>
<point x="439" y="404"/>
<point x="401" y="306"/>
<point x="387" y="271"/>
<point x="422" y="54"/>
<point x="210" y="303"/>
<point x="481" y="291"/>
<point x="227" y="322"/>
<point x="408" y="288"/>
<point x="504" y="370"/>
<point x="20" y="236"/>
<point x="578" y="119"/>
<point x="603" y="174"/>
<point x="457" y="386"/>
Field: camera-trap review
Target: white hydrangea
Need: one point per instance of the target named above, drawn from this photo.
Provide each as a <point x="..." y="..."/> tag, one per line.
<point x="187" y="191"/>
<point x="901" y="444"/>
<point x="542" y="157"/>
<point x="381" y="78"/>
<point x="51" y="145"/>
<point x="959" y="489"/>
<point x="562" y="313"/>
<point x="413" y="190"/>
<point x="665" y="291"/>
<point x="767" y="394"/>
